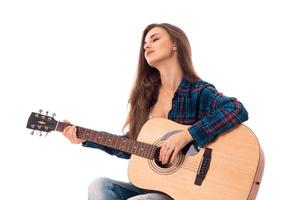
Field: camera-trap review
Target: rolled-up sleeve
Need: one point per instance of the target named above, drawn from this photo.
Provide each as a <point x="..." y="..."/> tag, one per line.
<point x="108" y="150"/>
<point x="222" y="114"/>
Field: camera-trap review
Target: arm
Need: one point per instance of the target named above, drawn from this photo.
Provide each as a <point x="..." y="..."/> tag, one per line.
<point x="108" y="150"/>
<point x="70" y="133"/>
<point x="221" y="114"/>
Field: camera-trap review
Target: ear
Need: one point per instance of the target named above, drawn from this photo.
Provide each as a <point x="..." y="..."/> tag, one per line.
<point x="174" y="47"/>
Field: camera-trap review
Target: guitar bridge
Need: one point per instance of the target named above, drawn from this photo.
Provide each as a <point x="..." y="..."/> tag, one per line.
<point x="203" y="167"/>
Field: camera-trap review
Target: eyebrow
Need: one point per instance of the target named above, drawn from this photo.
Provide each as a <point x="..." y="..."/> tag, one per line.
<point x="152" y="36"/>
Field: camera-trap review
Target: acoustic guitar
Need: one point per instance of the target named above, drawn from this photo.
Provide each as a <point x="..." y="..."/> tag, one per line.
<point x="228" y="168"/>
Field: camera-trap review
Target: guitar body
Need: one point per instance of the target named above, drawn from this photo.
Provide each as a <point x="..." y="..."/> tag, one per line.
<point x="234" y="172"/>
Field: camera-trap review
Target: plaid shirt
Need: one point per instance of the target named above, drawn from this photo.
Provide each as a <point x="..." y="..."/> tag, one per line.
<point x="200" y="105"/>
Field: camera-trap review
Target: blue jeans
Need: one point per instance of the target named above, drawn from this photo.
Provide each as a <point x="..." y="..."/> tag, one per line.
<point x="108" y="189"/>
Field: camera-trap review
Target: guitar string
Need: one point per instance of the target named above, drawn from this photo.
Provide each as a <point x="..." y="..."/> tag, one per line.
<point x="193" y="168"/>
<point x="189" y="164"/>
<point x="156" y="156"/>
<point x="193" y="165"/>
<point x="186" y="165"/>
<point x="188" y="168"/>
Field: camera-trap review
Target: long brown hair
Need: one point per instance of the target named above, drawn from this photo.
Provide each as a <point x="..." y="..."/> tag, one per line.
<point x="145" y="89"/>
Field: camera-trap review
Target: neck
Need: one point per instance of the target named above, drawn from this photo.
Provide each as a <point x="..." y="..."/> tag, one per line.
<point x="171" y="75"/>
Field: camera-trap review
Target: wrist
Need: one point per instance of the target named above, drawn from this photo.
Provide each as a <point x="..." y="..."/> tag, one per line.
<point x="188" y="137"/>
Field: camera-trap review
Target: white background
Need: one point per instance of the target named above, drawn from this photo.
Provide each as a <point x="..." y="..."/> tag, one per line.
<point x="78" y="59"/>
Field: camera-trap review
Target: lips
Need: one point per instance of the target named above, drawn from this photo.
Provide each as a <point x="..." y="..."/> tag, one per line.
<point x="149" y="52"/>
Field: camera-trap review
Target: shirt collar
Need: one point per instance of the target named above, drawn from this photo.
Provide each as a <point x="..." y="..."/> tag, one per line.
<point x="184" y="87"/>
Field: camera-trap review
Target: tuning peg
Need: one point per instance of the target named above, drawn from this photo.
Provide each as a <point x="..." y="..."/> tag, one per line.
<point x="47" y="113"/>
<point x="46" y="134"/>
<point x="32" y="132"/>
<point x="40" y="111"/>
<point x="40" y="133"/>
<point x="53" y="114"/>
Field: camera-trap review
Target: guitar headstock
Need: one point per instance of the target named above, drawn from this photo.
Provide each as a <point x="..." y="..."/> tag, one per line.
<point x="40" y="122"/>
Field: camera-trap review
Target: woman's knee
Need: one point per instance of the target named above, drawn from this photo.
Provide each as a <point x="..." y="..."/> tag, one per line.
<point x="98" y="187"/>
<point x="151" y="196"/>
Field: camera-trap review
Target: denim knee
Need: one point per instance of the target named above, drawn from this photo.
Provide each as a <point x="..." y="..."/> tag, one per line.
<point x="98" y="188"/>
<point x="151" y="196"/>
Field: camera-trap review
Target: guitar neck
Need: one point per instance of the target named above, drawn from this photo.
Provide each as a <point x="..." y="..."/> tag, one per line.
<point x="117" y="142"/>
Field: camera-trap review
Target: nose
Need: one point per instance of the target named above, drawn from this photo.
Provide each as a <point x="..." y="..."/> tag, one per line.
<point x="146" y="45"/>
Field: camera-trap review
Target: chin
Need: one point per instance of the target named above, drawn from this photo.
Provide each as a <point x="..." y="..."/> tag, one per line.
<point x="151" y="62"/>
<point x="154" y="62"/>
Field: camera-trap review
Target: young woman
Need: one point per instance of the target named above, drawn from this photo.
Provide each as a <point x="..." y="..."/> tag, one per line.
<point x="167" y="86"/>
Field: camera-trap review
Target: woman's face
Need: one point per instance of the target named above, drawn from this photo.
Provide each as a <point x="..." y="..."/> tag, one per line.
<point x="158" y="46"/>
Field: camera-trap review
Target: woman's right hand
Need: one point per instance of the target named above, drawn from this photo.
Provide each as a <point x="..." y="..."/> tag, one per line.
<point x="70" y="133"/>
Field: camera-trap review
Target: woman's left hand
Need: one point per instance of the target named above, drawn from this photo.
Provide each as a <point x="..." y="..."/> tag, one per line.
<point x="173" y="145"/>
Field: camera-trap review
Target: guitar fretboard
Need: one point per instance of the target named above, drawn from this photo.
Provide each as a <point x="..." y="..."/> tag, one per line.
<point x="118" y="142"/>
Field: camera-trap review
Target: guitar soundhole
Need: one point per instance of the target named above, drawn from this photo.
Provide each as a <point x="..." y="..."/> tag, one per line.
<point x="168" y="168"/>
<point x="162" y="165"/>
<point x="157" y="161"/>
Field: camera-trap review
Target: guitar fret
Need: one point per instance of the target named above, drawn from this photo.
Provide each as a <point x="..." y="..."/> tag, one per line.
<point x="135" y="148"/>
<point x="109" y="140"/>
<point x="130" y="143"/>
<point x="123" y="143"/>
<point x="93" y="136"/>
<point x="85" y="134"/>
<point x="116" y="141"/>
<point x="142" y="150"/>
<point x="151" y="150"/>
<point x="131" y="146"/>
<point x="138" y="149"/>
<point x="113" y="140"/>
<point x="99" y="137"/>
<point x="88" y="134"/>
<point x="147" y="151"/>
<point x="154" y="148"/>
<point x="104" y="138"/>
<point x="119" y="140"/>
